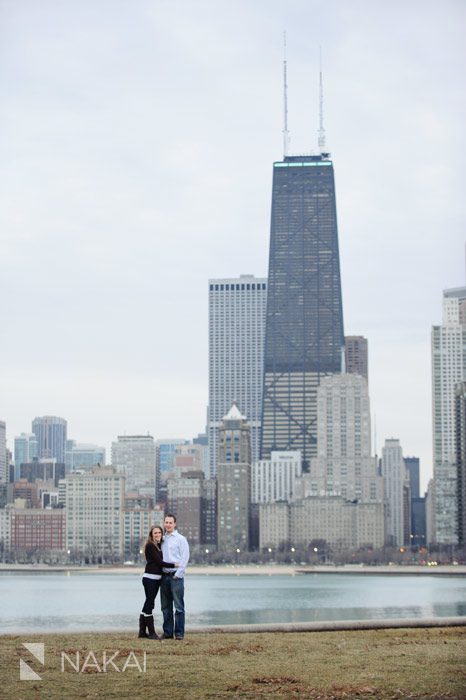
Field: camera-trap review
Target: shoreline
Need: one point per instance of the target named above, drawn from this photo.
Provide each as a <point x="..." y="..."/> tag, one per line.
<point x="273" y="627"/>
<point x="250" y="569"/>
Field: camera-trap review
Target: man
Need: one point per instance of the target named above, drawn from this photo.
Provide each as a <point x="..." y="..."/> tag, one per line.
<point x="175" y="549"/>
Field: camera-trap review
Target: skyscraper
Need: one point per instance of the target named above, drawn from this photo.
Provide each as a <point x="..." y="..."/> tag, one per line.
<point x="233" y="482"/>
<point x="304" y="339"/>
<point x="448" y="369"/>
<point x="50" y="432"/>
<point x="394" y="474"/>
<point x="236" y="348"/>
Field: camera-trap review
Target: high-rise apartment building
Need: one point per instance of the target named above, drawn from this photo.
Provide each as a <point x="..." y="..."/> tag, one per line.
<point x="3" y="459"/>
<point x="448" y="369"/>
<point x="341" y="500"/>
<point x="94" y="501"/>
<point x="460" y="445"/>
<point x="233" y="482"/>
<point x="25" y="450"/>
<point x="394" y="474"/>
<point x="356" y="356"/>
<point x="304" y="339"/>
<point x="344" y="464"/>
<point x="135" y="456"/>
<point x="236" y="349"/>
<point x="50" y="432"/>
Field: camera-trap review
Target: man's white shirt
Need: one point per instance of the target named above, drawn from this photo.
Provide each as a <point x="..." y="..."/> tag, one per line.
<point x="175" y="549"/>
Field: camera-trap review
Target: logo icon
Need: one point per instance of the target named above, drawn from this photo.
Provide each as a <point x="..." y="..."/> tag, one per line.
<point x="25" y="671"/>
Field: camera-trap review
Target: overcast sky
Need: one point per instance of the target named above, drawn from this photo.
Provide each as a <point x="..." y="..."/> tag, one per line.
<point x="137" y="141"/>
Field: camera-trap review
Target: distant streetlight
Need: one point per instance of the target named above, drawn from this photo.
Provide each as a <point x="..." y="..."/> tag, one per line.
<point x="270" y="550"/>
<point x="316" y="549"/>
<point x="293" y="549"/>
<point x="206" y="551"/>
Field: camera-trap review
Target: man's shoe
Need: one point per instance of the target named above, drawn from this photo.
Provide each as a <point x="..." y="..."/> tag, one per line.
<point x="166" y="636"/>
<point x="179" y="639"/>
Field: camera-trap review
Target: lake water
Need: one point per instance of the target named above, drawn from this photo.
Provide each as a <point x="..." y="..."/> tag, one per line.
<point x="69" y="601"/>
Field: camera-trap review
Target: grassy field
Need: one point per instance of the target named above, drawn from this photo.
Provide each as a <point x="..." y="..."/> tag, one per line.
<point x="368" y="664"/>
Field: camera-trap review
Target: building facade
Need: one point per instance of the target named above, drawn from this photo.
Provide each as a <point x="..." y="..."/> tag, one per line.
<point x="165" y="453"/>
<point x="43" y="470"/>
<point x="344" y="472"/>
<point x="185" y="501"/>
<point x="26" y="449"/>
<point x="274" y="479"/>
<point x="82" y="455"/>
<point x="136" y="525"/>
<point x="37" y="529"/>
<point x="304" y="339"/>
<point x="418" y="522"/>
<point x="274" y="525"/>
<point x="448" y="369"/>
<point x="94" y="500"/>
<point x="236" y="348"/>
<point x="394" y="475"/>
<point x="233" y="482"/>
<point x="50" y="432"/>
<point x="135" y="456"/>
<point x="344" y="464"/>
<point x="412" y="465"/>
<point x="357" y="356"/>
<point x="3" y="459"/>
<point x="460" y="444"/>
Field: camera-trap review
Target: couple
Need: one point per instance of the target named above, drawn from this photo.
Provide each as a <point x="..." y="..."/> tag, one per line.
<point x="167" y="557"/>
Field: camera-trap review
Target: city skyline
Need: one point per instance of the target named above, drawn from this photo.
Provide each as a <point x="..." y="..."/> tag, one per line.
<point x="115" y="212"/>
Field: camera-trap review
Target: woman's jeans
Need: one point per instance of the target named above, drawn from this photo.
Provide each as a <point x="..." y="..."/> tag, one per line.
<point x="172" y="596"/>
<point x="151" y="588"/>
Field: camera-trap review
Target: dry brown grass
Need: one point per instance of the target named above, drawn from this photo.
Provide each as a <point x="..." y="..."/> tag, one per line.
<point x="396" y="664"/>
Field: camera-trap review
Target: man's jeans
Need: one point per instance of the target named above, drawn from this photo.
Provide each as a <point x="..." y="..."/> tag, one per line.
<point x="172" y="596"/>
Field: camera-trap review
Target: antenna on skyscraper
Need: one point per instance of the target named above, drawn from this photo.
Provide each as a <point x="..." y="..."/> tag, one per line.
<point x="321" y="137"/>
<point x="286" y="133"/>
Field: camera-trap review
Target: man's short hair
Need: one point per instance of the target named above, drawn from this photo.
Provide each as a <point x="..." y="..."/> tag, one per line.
<point x="170" y="515"/>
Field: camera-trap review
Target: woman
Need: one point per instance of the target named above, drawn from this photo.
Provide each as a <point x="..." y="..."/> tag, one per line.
<point x="151" y="580"/>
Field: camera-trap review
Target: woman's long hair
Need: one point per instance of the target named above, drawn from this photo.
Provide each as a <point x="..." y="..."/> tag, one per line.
<point x="150" y="539"/>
